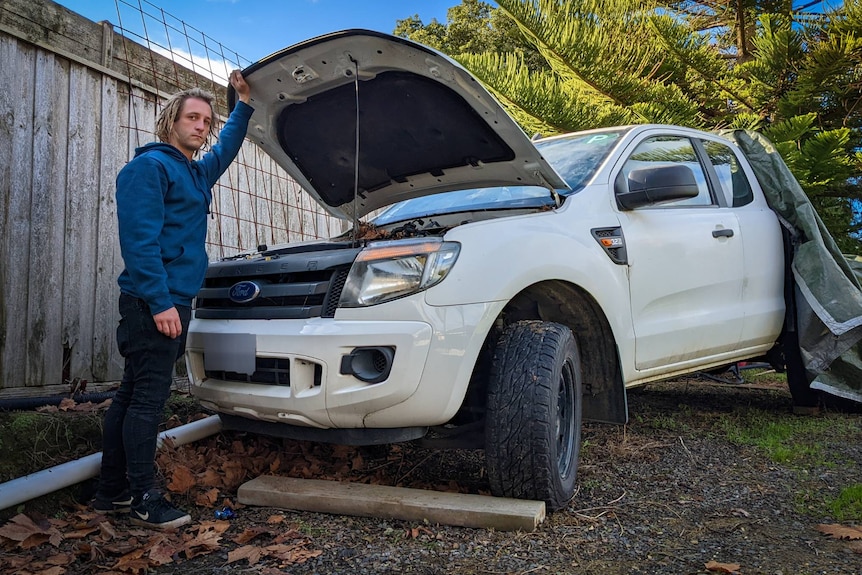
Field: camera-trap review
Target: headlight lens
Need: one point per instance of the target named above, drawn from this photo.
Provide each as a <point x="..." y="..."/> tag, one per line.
<point x="388" y="270"/>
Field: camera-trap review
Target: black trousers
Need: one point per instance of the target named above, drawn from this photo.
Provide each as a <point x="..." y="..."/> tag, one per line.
<point x="132" y="421"/>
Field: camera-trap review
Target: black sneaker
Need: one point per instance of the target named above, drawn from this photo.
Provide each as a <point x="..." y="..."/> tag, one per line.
<point x="153" y="510"/>
<point x="122" y="503"/>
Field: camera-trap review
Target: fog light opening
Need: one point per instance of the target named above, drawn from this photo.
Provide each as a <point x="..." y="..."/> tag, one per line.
<point x="368" y="364"/>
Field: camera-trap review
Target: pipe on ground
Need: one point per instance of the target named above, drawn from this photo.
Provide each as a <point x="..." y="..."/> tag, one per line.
<point x="49" y="480"/>
<point x="25" y="403"/>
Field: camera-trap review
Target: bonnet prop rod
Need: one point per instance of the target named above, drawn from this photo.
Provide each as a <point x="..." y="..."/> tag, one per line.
<point x="355" y="225"/>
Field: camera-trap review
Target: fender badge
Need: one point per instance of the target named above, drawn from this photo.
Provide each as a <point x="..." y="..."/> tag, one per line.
<point x="243" y="292"/>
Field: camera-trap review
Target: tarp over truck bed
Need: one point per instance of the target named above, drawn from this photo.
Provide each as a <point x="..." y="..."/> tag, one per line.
<point x="828" y="293"/>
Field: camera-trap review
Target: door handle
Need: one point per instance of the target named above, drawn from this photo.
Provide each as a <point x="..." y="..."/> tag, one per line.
<point x="725" y="233"/>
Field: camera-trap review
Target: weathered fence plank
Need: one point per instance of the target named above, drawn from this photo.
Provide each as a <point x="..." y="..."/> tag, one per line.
<point x="50" y="23"/>
<point x="44" y="362"/>
<point x="16" y="188"/>
<point x="82" y="194"/>
<point x="107" y="252"/>
<point x="8" y="50"/>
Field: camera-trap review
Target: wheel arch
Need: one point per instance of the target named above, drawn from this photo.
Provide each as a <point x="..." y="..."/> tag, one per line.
<point x="604" y="394"/>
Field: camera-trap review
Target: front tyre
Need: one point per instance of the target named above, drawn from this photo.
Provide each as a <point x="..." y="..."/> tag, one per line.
<point x="533" y="421"/>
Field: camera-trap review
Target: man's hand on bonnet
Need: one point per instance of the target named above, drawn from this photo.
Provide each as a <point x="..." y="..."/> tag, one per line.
<point x="239" y="84"/>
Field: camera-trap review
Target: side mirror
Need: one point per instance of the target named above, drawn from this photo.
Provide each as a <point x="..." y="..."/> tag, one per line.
<point x="655" y="185"/>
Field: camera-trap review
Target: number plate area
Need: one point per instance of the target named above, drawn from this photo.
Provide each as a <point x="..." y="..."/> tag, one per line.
<point x="234" y="352"/>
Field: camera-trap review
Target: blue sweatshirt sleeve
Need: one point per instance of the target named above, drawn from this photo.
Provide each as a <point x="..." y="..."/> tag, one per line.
<point x="141" y="186"/>
<point x="216" y="161"/>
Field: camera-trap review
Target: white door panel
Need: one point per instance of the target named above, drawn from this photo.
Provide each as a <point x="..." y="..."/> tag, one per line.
<point x="763" y="292"/>
<point x="686" y="283"/>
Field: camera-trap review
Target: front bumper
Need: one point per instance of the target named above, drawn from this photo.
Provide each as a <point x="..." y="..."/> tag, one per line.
<point x="435" y="350"/>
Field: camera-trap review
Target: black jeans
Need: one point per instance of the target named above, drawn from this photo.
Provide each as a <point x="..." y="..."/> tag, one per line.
<point x="132" y="421"/>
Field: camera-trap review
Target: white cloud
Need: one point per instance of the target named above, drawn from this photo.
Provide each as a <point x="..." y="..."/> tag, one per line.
<point x="217" y="70"/>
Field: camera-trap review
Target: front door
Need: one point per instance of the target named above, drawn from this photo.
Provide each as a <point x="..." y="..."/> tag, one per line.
<point x="686" y="265"/>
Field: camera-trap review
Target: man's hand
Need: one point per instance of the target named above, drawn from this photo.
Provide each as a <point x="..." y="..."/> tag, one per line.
<point x="168" y="323"/>
<point x="239" y="84"/>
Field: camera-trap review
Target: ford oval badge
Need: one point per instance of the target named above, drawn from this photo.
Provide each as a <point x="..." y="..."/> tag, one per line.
<point x="243" y="292"/>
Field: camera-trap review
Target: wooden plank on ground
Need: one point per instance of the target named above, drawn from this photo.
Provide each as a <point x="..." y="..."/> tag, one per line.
<point x="459" y="509"/>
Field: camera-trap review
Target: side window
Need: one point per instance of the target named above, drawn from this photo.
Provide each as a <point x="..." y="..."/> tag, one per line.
<point x="669" y="150"/>
<point x="733" y="180"/>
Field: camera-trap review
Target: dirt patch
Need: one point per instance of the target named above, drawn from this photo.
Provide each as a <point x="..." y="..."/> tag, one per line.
<point x="702" y="473"/>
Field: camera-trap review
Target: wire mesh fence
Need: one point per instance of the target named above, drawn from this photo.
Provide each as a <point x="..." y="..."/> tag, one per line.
<point x="255" y="202"/>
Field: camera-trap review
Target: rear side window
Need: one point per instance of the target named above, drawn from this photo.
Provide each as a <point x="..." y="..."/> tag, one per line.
<point x="666" y="150"/>
<point x="733" y="179"/>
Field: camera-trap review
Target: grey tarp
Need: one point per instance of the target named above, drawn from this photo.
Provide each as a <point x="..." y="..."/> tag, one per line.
<point x="828" y="292"/>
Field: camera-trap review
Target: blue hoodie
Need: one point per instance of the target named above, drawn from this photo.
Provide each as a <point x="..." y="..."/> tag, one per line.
<point x="162" y="204"/>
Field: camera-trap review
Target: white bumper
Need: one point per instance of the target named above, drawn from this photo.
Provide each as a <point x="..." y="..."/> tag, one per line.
<point x="435" y="350"/>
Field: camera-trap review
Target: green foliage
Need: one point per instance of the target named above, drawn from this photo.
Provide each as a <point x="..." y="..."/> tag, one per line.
<point x="433" y="34"/>
<point x="182" y="406"/>
<point x="540" y="103"/>
<point x="473" y="27"/>
<point x="778" y="48"/>
<point x="311" y="530"/>
<point x="604" y="46"/>
<point x="698" y="68"/>
<point x="848" y="505"/>
<point x="34" y="441"/>
<point x="25" y="423"/>
<point x="785" y="438"/>
<point x="564" y="65"/>
<point x="665" y="422"/>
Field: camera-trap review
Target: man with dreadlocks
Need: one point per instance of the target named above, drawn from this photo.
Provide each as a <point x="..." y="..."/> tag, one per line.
<point x="163" y="198"/>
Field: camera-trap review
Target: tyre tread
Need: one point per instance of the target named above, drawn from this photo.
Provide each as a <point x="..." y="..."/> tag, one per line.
<point x="520" y="458"/>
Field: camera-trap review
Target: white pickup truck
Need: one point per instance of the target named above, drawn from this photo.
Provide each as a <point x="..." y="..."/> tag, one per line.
<point x="498" y="289"/>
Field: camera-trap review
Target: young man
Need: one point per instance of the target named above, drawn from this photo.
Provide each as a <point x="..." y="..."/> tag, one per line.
<point x="163" y="198"/>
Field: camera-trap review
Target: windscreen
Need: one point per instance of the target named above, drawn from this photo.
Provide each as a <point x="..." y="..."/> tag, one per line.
<point x="575" y="157"/>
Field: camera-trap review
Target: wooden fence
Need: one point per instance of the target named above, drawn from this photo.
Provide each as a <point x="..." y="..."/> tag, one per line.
<point x="76" y="99"/>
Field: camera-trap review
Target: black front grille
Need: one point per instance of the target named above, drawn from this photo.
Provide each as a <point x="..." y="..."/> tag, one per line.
<point x="336" y="286"/>
<point x="267" y="370"/>
<point x="294" y="286"/>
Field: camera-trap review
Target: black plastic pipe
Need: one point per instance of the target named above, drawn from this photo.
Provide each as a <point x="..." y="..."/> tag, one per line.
<point x="26" y="403"/>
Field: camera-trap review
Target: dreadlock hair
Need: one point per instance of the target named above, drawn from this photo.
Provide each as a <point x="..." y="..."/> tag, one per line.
<point x="171" y="112"/>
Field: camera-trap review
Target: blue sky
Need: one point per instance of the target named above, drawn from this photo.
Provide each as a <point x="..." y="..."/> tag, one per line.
<point x="256" y="28"/>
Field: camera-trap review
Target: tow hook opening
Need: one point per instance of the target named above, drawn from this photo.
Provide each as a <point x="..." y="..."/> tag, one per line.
<point x="368" y="364"/>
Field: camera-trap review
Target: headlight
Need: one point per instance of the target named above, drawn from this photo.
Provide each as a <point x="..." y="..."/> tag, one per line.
<point x="389" y="270"/>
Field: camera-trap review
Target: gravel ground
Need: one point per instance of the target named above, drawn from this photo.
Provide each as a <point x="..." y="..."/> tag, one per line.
<point x="668" y="493"/>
